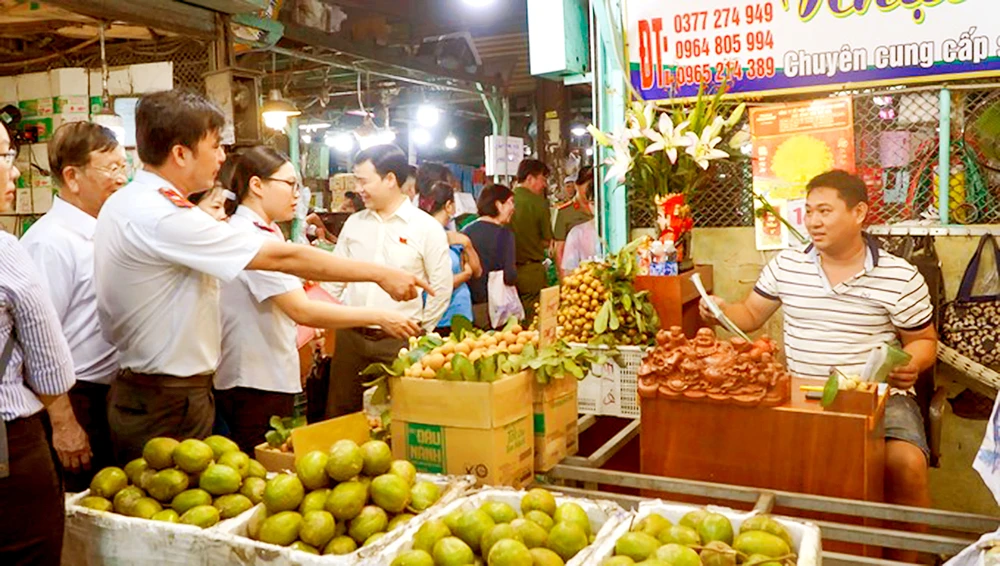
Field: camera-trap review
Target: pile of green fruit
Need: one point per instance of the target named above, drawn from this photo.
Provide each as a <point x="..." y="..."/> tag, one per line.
<point x="342" y="499"/>
<point x="704" y="538"/>
<point x="494" y="534"/>
<point x="598" y="303"/>
<point x="194" y="482"/>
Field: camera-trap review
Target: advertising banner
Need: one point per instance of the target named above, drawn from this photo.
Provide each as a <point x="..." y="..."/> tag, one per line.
<point x="781" y="46"/>
<point x="792" y="143"/>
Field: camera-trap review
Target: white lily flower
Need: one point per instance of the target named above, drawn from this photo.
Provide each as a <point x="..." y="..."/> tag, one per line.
<point x="716" y="127"/>
<point x="667" y="138"/>
<point x="703" y="150"/>
<point x="620" y="160"/>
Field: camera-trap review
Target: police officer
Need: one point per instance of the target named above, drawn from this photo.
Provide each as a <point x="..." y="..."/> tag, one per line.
<point x="532" y="227"/>
<point x="35" y="370"/>
<point x="159" y="260"/>
<point x="88" y="164"/>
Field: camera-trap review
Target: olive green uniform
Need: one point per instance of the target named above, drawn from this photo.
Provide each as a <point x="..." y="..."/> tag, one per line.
<point x="570" y="215"/>
<point x="532" y="227"/>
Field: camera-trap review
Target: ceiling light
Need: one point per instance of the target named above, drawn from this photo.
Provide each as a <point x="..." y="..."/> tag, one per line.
<point x="590" y="151"/>
<point x="428" y="116"/>
<point x="421" y="136"/>
<point x="450" y="142"/>
<point x="341" y="141"/>
<point x="578" y="131"/>
<point x="276" y="111"/>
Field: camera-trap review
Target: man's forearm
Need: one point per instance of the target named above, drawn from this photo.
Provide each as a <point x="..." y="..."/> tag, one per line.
<point x="741" y="317"/>
<point x="313" y="264"/>
<point x="59" y="408"/>
<point x="924" y="352"/>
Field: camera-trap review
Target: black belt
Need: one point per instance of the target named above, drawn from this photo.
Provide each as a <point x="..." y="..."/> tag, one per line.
<point x="374" y="334"/>
<point x="200" y="381"/>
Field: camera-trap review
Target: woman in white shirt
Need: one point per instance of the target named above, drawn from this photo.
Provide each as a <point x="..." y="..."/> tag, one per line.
<point x="258" y="374"/>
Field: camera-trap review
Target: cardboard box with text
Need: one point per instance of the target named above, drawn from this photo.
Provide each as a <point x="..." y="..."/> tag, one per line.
<point x="556" y="433"/>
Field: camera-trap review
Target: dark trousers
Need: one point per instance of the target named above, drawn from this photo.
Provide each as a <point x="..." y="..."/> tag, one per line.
<point x="90" y="407"/>
<point x="144" y="406"/>
<point x="32" y="511"/>
<point x="356" y="350"/>
<point x="247" y="412"/>
<point x="317" y="391"/>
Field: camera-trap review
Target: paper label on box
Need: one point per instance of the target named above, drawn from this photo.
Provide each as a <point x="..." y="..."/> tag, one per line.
<point x="425" y="447"/>
<point x="71" y="105"/>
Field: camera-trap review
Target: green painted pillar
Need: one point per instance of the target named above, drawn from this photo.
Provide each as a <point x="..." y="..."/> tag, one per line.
<point x="298" y="223"/>
<point x="610" y="92"/>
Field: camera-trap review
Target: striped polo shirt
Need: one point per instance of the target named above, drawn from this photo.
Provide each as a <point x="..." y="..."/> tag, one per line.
<point x="827" y="327"/>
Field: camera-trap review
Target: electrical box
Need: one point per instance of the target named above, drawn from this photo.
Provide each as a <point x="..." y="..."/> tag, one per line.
<point x="558" y="38"/>
<point x="235" y="91"/>
<point x="503" y="155"/>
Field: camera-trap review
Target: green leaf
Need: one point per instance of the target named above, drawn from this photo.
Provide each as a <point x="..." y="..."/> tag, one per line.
<point x="627" y="302"/>
<point x="275" y="422"/>
<point x="461" y="326"/>
<point x="274" y="439"/>
<point x="613" y="323"/>
<point x="463" y="368"/>
<point x="416" y="354"/>
<point x="601" y="322"/>
<point x="487" y="368"/>
<point x="376" y="381"/>
<point x="573" y="368"/>
<point x="380" y="369"/>
<point x="642" y="324"/>
<point x="381" y="394"/>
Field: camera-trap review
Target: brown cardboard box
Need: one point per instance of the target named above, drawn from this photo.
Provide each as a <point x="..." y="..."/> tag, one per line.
<point x="555" y="388"/>
<point x="556" y="432"/>
<point x="317" y="436"/>
<point x="458" y="427"/>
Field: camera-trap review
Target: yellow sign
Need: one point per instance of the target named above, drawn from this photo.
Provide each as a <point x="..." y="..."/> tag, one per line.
<point x="548" y="316"/>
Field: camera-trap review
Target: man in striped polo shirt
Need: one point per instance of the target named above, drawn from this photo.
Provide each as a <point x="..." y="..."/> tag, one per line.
<point x="842" y="297"/>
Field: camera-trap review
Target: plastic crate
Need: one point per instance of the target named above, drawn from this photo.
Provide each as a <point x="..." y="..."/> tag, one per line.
<point x="612" y="390"/>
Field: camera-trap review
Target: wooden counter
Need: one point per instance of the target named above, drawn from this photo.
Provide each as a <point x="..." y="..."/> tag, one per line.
<point x="797" y="447"/>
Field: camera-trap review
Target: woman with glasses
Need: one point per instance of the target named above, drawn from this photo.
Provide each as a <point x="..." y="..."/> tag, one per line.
<point x="258" y="373"/>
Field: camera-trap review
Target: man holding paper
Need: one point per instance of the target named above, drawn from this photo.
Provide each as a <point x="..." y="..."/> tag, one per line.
<point x="844" y="297"/>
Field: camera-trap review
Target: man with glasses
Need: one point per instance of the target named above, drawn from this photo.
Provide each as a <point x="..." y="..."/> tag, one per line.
<point x="88" y="165"/>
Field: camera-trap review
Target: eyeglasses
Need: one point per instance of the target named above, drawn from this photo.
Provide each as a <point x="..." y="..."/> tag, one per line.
<point x="116" y="170"/>
<point x="9" y="156"/>
<point x="294" y="185"/>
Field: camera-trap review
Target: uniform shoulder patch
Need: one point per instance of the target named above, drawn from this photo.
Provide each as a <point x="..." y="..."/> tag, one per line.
<point x="174" y="197"/>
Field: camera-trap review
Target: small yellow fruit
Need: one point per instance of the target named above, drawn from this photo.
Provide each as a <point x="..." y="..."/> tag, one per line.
<point x="463" y="348"/>
<point x="428" y="374"/>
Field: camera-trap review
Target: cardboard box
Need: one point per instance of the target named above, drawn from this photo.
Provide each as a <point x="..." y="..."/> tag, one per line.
<point x="459" y="427"/>
<point x="47" y="125"/>
<point x="152" y="77"/>
<point x="555" y="426"/>
<point x="496" y="456"/>
<point x="36" y="108"/>
<point x="42" y="194"/>
<point x="317" y="436"/>
<point x="33" y="86"/>
<point x="555" y="388"/>
<point x="119" y="82"/>
<point x="8" y="91"/>
<point x="75" y="104"/>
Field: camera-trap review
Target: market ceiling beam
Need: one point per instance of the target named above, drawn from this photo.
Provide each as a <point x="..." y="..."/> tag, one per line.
<point x="168" y="15"/>
<point x="386" y="7"/>
<point x="405" y="65"/>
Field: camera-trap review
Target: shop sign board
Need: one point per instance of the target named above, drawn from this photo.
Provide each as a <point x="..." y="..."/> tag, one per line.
<point x="783" y="46"/>
<point x="792" y="143"/>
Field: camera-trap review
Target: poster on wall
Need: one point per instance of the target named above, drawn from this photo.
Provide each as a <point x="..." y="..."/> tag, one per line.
<point x="782" y="46"/>
<point x="792" y="143"/>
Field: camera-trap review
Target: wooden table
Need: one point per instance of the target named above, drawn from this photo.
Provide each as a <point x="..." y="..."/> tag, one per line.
<point x="797" y="447"/>
<point x="676" y="298"/>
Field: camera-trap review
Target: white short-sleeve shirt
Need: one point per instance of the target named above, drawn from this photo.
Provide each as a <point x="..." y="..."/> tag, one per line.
<point x="157" y="259"/>
<point x="258" y="338"/>
<point x="61" y="244"/>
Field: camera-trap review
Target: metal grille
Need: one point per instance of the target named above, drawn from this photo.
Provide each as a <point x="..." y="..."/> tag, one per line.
<point x="896" y="144"/>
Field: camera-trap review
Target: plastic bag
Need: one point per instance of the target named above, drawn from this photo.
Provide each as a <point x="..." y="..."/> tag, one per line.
<point x="987" y="461"/>
<point x="503" y="300"/>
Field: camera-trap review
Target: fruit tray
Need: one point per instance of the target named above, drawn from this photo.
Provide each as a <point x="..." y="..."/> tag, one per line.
<point x="98" y="537"/>
<point x="612" y="390"/>
<point x="605" y="518"/>
<point x="806" y="540"/>
<point x="246" y="551"/>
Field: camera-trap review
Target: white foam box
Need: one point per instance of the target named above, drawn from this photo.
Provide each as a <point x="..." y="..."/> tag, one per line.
<point x="605" y="519"/>
<point x="119" y="82"/>
<point x="806" y="540"/>
<point x="68" y="82"/>
<point x="152" y="77"/>
<point x="8" y="91"/>
<point x="33" y="86"/>
<point x="8" y="223"/>
<point x="256" y="553"/>
<point x="98" y="537"/>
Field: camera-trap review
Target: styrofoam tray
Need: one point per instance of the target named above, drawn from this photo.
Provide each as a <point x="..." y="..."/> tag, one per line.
<point x="96" y="537"/>
<point x="605" y="517"/>
<point x="246" y="551"/>
<point x="806" y="540"/>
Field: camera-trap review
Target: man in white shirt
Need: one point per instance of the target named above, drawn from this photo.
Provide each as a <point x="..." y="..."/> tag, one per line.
<point x="390" y="231"/>
<point x="88" y="165"/>
<point x="158" y="259"/>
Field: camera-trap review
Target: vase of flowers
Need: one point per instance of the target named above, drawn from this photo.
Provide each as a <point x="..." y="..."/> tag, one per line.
<point x="663" y="153"/>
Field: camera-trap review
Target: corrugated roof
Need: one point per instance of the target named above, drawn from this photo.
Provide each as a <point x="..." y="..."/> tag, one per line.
<point x="502" y="50"/>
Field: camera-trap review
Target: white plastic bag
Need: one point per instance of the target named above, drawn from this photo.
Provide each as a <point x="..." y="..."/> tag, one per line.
<point x="503" y="300"/>
<point x="987" y="461"/>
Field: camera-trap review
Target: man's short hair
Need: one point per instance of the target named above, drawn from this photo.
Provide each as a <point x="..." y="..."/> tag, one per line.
<point x="386" y="158"/>
<point x="173" y="117"/>
<point x="531" y="167"/>
<point x="72" y="144"/>
<point x="851" y="188"/>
